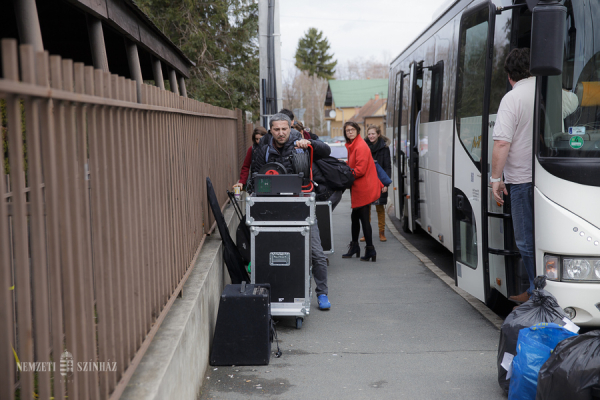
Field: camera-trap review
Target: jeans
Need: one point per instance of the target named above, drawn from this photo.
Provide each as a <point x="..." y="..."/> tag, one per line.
<point x="319" y="261"/>
<point x="335" y="199"/>
<point x="521" y="200"/>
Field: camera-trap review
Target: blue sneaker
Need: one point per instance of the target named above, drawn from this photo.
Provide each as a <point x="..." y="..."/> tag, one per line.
<point x="324" y="303"/>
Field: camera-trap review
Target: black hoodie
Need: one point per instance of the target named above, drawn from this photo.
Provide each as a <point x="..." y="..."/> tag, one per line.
<point x="381" y="153"/>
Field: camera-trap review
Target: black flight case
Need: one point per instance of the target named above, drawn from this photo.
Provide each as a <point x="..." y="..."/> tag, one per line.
<point x="280" y="250"/>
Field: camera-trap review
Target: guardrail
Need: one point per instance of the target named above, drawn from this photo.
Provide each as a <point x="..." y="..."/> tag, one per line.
<point x="102" y="213"/>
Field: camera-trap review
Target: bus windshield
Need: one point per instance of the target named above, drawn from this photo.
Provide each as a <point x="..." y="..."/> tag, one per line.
<point x="570" y="103"/>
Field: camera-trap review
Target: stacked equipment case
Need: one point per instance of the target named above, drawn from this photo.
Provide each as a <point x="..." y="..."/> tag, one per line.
<point x="280" y="250"/>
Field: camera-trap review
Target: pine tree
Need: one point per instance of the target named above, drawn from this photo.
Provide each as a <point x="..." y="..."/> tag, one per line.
<point x="312" y="57"/>
<point x="221" y="37"/>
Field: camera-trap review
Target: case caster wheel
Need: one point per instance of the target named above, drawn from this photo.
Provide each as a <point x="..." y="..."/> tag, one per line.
<point x="299" y="322"/>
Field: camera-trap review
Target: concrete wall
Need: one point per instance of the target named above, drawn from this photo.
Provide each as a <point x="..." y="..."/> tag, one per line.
<point x="176" y="361"/>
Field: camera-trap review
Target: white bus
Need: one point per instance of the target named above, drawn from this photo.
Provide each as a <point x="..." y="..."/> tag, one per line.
<point x="444" y="93"/>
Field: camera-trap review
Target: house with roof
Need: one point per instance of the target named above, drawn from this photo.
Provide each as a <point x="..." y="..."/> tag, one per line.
<point x="345" y="98"/>
<point x="372" y="113"/>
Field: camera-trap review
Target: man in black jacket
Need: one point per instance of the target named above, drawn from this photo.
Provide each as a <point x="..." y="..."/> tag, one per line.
<point x="277" y="146"/>
<point x="322" y="189"/>
<point x="281" y="141"/>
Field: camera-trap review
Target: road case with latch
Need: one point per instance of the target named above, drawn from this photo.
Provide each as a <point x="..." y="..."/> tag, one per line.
<point x="281" y="257"/>
<point x="281" y="210"/>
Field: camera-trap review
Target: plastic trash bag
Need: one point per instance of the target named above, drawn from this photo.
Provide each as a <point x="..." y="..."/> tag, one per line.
<point x="541" y="307"/>
<point x="573" y="370"/>
<point x="534" y="347"/>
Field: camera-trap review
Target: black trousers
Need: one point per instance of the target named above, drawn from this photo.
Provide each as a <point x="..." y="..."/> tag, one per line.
<point x="360" y="216"/>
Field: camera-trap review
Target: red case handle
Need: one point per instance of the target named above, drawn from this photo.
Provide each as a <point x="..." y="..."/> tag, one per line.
<point x="310" y="185"/>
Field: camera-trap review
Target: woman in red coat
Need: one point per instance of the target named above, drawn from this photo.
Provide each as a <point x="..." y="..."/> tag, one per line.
<point x="365" y="190"/>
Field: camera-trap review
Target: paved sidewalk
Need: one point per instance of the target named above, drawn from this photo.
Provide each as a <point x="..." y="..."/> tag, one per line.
<point x="395" y="331"/>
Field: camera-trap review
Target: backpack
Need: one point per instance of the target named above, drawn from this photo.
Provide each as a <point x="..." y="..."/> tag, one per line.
<point x="338" y="174"/>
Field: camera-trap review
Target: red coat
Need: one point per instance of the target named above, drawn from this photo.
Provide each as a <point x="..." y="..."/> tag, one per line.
<point x="367" y="186"/>
<point x="246" y="167"/>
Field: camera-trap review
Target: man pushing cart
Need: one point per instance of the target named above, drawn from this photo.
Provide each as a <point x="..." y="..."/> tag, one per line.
<point x="290" y="210"/>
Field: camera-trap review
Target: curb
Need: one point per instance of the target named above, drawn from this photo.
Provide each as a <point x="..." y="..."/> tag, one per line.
<point x="473" y="301"/>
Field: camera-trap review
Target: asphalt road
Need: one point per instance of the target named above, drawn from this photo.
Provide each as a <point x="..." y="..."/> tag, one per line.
<point x="395" y="331"/>
<point x="427" y="245"/>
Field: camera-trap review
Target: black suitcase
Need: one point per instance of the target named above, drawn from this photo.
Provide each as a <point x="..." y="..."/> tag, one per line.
<point x="243" y="328"/>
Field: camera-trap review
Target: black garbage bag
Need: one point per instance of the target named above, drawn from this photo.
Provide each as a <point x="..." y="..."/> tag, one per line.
<point x="573" y="370"/>
<point x="231" y="255"/>
<point x="541" y="307"/>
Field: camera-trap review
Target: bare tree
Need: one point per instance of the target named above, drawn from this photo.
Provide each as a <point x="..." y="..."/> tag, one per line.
<point x="300" y="90"/>
<point x="361" y="68"/>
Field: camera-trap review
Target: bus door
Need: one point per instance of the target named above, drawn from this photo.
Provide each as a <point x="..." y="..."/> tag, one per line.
<point x="412" y="144"/>
<point x="398" y="149"/>
<point x="403" y="123"/>
<point x="470" y="156"/>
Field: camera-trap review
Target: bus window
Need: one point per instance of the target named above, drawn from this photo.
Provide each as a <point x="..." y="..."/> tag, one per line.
<point x="444" y="54"/>
<point x="437" y="89"/>
<point x="570" y="111"/>
<point x="404" y="116"/>
<point x="471" y="82"/>
<point x="465" y="232"/>
<point x="396" y="120"/>
<point x="500" y="83"/>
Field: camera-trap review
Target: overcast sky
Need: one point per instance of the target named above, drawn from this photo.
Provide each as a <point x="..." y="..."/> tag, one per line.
<point x="371" y="29"/>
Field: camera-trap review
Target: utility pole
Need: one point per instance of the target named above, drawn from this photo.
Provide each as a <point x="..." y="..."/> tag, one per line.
<point x="269" y="50"/>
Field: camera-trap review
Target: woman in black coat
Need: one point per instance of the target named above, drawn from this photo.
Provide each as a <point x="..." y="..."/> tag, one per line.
<point x="380" y="151"/>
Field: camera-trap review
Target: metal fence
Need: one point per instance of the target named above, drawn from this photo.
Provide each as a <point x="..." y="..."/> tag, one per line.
<point x="103" y="211"/>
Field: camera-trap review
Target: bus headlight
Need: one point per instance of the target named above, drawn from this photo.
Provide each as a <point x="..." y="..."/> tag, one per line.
<point x="551" y="267"/>
<point x="576" y="268"/>
<point x="572" y="268"/>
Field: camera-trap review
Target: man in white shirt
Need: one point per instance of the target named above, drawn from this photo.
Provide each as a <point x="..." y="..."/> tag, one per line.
<point x="512" y="153"/>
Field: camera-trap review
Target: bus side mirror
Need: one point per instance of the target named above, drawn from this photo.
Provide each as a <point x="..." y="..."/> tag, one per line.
<point x="547" y="38"/>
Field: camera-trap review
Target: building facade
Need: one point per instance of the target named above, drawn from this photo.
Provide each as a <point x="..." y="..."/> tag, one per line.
<point x="345" y="99"/>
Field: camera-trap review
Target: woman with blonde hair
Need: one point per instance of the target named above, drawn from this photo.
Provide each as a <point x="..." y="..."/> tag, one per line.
<point x="380" y="151"/>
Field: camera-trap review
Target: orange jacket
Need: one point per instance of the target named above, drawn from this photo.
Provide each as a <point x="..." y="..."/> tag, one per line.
<point x="367" y="186"/>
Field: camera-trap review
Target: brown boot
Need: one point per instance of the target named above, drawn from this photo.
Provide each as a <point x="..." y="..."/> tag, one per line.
<point x="522" y="298"/>
<point x="382" y="236"/>
<point x="362" y="239"/>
